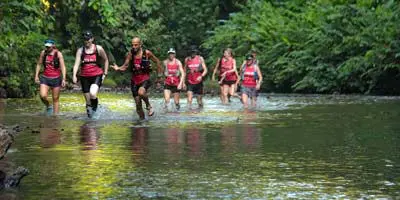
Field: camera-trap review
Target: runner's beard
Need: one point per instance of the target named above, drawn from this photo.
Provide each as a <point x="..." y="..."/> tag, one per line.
<point x="135" y="50"/>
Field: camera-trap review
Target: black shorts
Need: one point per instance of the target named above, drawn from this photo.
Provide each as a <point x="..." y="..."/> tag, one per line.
<point x="172" y="88"/>
<point x="196" y="89"/>
<point x="135" y="88"/>
<point x="51" y="82"/>
<point x="87" y="81"/>
<point x="229" y="83"/>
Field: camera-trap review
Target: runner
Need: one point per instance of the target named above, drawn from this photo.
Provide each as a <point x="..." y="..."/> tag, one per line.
<point x="139" y="60"/>
<point x="228" y="76"/>
<point x="251" y="81"/>
<point x="53" y="63"/>
<point x="174" y="80"/>
<point x="90" y="57"/>
<point x="253" y="52"/>
<point x="197" y="69"/>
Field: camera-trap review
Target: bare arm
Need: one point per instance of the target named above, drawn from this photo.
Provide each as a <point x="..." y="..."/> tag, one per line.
<point x="236" y="72"/>
<point x="183" y="74"/>
<point x="157" y="61"/>
<point x="62" y="65"/>
<point x="165" y="63"/>
<point x="203" y="64"/>
<point x="38" y="64"/>
<point x="77" y="62"/>
<point x="216" y="68"/>
<point x="185" y="66"/>
<point x="124" y="66"/>
<point x="241" y="66"/>
<point x="185" y="70"/>
<point x="260" y="78"/>
<point x="103" y="55"/>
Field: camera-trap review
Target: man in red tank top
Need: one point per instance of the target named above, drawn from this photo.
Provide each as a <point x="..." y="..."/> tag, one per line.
<point x="53" y="63"/>
<point x="228" y="75"/>
<point x="89" y="58"/>
<point x="196" y="71"/>
<point x="174" y="78"/>
<point x="138" y="58"/>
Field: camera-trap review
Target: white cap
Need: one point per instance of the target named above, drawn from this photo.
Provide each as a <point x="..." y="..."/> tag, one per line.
<point x="171" y="50"/>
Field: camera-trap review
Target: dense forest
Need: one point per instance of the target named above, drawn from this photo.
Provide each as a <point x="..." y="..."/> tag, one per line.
<point x="319" y="46"/>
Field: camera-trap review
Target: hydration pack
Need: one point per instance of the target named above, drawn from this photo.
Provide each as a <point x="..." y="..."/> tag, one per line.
<point x="255" y="72"/>
<point x="97" y="62"/>
<point x="145" y="65"/>
<point x="56" y="60"/>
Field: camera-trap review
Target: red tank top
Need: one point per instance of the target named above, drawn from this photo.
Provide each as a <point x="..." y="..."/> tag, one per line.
<point x="89" y="64"/>
<point x="50" y="71"/>
<point x="194" y="67"/>
<point x="140" y="77"/>
<point x="249" y="79"/>
<point x="172" y="73"/>
<point x="226" y="65"/>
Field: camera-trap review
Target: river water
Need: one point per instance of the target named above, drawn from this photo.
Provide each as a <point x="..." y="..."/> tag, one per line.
<point x="291" y="146"/>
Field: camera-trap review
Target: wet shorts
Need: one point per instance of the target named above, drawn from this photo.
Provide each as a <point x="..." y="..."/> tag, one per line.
<point x="135" y="88"/>
<point x="87" y="81"/>
<point x="51" y="82"/>
<point x="229" y="83"/>
<point x="196" y="89"/>
<point x="250" y="92"/>
<point x="172" y="88"/>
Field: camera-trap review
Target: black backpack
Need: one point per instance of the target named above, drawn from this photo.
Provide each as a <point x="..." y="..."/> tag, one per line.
<point x="98" y="57"/>
<point x="56" y="60"/>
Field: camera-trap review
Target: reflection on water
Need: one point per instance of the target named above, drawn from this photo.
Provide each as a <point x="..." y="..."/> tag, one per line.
<point x="89" y="136"/>
<point x="140" y="138"/>
<point x="175" y="140"/>
<point x="194" y="142"/>
<point x="50" y="133"/>
<point x="319" y="150"/>
<point x="250" y="133"/>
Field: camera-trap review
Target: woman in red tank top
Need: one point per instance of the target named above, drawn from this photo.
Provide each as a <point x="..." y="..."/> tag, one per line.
<point x="174" y="78"/>
<point x="228" y="76"/>
<point x="196" y="71"/>
<point x="53" y="63"/>
<point x="251" y="81"/>
<point x="89" y="58"/>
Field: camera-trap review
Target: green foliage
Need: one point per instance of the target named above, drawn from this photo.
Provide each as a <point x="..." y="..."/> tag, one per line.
<point x="318" y="46"/>
<point x="109" y="83"/>
<point x="20" y="45"/>
<point x="303" y="46"/>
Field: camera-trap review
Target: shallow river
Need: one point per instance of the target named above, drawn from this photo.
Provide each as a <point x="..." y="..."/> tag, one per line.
<point x="291" y="146"/>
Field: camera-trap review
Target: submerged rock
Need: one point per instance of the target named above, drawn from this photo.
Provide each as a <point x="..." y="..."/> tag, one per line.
<point x="6" y="139"/>
<point x="8" y="176"/>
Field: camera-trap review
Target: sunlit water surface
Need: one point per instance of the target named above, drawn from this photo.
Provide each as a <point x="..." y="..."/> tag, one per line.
<point x="300" y="147"/>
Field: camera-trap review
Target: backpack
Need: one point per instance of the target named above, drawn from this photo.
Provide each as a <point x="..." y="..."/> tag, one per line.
<point x="56" y="60"/>
<point x="244" y="69"/>
<point x="145" y="65"/>
<point x="97" y="56"/>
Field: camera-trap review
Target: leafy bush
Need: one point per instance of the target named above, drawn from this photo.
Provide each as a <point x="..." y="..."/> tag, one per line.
<point x="318" y="46"/>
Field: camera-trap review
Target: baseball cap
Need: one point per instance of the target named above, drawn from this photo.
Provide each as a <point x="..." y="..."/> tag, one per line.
<point x="49" y="43"/>
<point x="171" y="50"/>
<point x="193" y="48"/>
<point x="87" y="35"/>
<point x="249" y="57"/>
